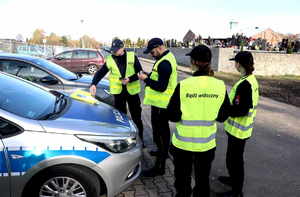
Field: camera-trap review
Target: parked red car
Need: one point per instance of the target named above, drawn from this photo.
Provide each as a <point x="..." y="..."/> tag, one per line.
<point x="80" y="60"/>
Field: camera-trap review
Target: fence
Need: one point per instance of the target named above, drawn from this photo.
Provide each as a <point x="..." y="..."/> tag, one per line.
<point x="11" y="46"/>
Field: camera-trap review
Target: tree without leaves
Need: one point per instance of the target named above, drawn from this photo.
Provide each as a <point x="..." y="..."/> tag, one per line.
<point x="140" y="43"/>
<point x="64" y="40"/>
<point x="38" y="36"/>
<point x="74" y="43"/>
<point x="90" y="42"/>
<point x="127" y="43"/>
<point x="53" y="39"/>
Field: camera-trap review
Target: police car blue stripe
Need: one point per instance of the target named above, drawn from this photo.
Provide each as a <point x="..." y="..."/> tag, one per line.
<point x="2" y="163"/>
<point x="30" y="158"/>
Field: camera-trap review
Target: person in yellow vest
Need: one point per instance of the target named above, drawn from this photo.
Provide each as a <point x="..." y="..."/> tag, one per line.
<point x="124" y="83"/>
<point x="197" y="103"/>
<point x="244" y="97"/>
<point x="160" y="85"/>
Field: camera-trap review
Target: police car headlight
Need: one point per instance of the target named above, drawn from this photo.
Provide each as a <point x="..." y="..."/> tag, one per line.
<point x="115" y="144"/>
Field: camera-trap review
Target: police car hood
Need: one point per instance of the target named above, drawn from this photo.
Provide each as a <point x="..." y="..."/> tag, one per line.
<point x="83" y="118"/>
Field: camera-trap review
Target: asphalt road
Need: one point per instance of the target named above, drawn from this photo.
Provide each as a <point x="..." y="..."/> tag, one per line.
<point x="272" y="155"/>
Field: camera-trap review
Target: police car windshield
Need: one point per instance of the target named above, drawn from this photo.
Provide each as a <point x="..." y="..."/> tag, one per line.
<point x="24" y="99"/>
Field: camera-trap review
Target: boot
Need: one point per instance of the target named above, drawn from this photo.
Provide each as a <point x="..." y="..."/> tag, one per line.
<point x="157" y="170"/>
<point x="226" y="180"/>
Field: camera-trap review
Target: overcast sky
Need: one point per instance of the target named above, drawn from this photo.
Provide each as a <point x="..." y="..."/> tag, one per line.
<point x="105" y="19"/>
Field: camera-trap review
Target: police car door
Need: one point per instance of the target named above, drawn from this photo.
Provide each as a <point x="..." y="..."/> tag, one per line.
<point x="4" y="165"/>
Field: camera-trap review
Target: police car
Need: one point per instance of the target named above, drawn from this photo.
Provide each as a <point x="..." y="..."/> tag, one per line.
<point x="53" y="145"/>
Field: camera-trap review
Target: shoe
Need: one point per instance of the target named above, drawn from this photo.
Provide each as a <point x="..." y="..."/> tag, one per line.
<point x="153" y="172"/>
<point x="226" y="180"/>
<point x="154" y="153"/>
<point x="229" y="194"/>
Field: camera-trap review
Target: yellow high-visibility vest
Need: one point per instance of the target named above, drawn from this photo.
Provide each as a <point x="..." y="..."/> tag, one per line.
<point x="161" y="99"/>
<point x="242" y="127"/>
<point x="115" y="84"/>
<point x="200" y="101"/>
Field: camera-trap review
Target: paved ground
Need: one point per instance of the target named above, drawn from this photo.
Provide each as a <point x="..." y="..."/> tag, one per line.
<point x="272" y="155"/>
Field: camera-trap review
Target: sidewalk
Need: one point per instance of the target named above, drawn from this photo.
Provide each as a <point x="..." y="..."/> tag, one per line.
<point x="151" y="187"/>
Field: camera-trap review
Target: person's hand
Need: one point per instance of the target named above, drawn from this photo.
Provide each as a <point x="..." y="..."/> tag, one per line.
<point x="142" y="76"/>
<point x="93" y="90"/>
<point x="125" y="81"/>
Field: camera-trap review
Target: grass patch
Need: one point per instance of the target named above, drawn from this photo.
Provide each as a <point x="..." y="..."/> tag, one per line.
<point x="260" y="77"/>
<point x="281" y="88"/>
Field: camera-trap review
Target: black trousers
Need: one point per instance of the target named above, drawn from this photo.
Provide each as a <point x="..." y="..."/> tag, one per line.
<point x="235" y="162"/>
<point x="184" y="161"/>
<point x="161" y="133"/>
<point x="134" y="105"/>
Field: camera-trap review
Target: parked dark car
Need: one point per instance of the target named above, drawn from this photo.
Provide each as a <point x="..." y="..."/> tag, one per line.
<point x="51" y="75"/>
<point x="80" y="60"/>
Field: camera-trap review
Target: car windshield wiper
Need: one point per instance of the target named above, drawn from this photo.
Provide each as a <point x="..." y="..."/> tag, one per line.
<point x="59" y="105"/>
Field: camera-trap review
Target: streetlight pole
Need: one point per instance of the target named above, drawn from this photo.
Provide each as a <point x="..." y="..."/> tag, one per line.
<point x="82" y="38"/>
<point x="231" y="24"/>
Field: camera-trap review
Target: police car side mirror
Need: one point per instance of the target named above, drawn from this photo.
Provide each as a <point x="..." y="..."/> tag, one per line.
<point x="59" y="58"/>
<point x="49" y="80"/>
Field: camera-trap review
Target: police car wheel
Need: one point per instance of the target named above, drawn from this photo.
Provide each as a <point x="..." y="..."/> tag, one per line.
<point x="66" y="181"/>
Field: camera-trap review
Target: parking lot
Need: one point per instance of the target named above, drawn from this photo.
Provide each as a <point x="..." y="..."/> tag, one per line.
<point x="271" y="157"/>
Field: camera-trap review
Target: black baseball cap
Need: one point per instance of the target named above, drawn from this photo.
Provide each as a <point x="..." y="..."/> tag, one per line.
<point x="153" y="43"/>
<point x="243" y="57"/>
<point x="116" y="45"/>
<point x="200" y="53"/>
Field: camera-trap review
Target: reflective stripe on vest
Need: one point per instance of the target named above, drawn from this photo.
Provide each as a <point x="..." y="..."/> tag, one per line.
<point x="115" y="75"/>
<point x="197" y="122"/>
<point x="251" y="112"/>
<point x="200" y="140"/>
<point x="242" y="127"/>
<point x="161" y="99"/>
<point x="201" y="98"/>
